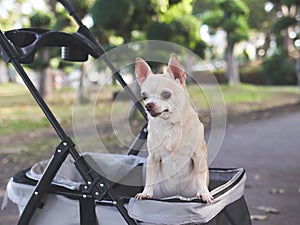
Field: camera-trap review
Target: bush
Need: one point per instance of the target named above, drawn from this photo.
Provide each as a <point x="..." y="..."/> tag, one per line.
<point x="251" y="73"/>
<point x="279" y="69"/>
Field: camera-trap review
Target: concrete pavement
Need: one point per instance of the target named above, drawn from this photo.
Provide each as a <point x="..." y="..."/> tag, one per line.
<point x="269" y="150"/>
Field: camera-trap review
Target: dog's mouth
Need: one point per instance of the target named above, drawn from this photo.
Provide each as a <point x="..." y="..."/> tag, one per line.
<point x="156" y="114"/>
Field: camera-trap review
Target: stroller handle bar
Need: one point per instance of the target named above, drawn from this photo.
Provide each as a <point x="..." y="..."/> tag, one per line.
<point x="28" y="41"/>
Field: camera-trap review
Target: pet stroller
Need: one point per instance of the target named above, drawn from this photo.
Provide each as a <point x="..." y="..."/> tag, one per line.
<point x="88" y="189"/>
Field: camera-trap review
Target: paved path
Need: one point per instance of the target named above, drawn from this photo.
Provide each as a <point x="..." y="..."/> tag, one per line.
<point x="269" y="150"/>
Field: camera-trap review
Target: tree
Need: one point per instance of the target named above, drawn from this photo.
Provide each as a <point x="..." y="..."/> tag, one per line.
<point x="260" y="20"/>
<point x="231" y="16"/>
<point x="175" y="22"/>
<point x="82" y="9"/>
<point x="118" y="18"/>
<point x="284" y="25"/>
<point x="10" y="17"/>
<point x="168" y="20"/>
<point x="56" y="19"/>
<point x="42" y="63"/>
<point x="287" y="28"/>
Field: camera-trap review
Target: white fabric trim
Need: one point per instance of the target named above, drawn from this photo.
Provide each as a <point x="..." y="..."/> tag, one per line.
<point x="164" y="212"/>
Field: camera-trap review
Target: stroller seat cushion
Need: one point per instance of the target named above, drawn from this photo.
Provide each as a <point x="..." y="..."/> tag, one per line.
<point x="114" y="167"/>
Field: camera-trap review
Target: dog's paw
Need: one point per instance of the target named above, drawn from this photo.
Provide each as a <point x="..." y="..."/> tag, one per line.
<point x="207" y="197"/>
<point x="143" y="195"/>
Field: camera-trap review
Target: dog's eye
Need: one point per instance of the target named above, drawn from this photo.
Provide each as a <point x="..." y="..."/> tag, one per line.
<point x="144" y="96"/>
<point x="166" y="94"/>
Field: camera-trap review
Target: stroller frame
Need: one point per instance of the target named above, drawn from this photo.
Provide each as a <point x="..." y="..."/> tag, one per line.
<point x="96" y="187"/>
<point x="19" y="46"/>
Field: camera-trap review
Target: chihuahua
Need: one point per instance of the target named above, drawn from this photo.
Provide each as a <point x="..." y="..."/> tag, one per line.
<point x="177" y="153"/>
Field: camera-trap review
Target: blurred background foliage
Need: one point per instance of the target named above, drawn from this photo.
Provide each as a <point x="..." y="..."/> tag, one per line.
<point x="253" y="41"/>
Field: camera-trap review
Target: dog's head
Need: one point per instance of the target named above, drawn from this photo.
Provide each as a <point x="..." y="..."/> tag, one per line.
<point x="164" y="95"/>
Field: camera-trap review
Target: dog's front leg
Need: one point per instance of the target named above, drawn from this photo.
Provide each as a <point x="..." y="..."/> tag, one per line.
<point x="152" y="171"/>
<point x="202" y="177"/>
<point x="202" y="189"/>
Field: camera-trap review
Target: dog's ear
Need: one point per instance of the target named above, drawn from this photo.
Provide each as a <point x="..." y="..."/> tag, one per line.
<point x="142" y="70"/>
<point x="176" y="69"/>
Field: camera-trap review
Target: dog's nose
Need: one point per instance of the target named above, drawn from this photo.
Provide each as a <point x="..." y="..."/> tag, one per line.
<point x="149" y="106"/>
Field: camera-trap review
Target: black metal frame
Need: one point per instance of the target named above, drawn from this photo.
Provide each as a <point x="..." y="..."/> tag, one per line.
<point x="20" y="46"/>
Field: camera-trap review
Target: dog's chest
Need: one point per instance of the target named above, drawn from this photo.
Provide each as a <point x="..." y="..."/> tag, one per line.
<point x="172" y="142"/>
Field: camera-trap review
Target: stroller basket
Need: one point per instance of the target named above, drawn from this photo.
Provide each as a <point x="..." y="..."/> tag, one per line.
<point x="63" y="205"/>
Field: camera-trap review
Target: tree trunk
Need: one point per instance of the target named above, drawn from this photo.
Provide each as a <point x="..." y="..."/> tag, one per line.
<point x="46" y="83"/>
<point x="298" y="68"/>
<point x="287" y="41"/>
<point x="3" y="72"/>
<point x="52" y="4"/>
<point x="232" y="73"/>
<point x="298" y="59"/>
<point x="46" y="76"/>
<point x="83" y="91"/>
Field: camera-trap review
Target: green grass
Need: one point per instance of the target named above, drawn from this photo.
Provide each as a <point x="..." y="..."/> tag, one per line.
<point x="12" y="126"/>
<point x="256" y="97"/>
<point x="245" y="93"/>
<point x="251" y="93"/>
<point x="20" y="113"/>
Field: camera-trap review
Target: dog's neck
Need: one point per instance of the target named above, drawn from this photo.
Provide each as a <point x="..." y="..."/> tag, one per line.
<point x="169" y="124"/>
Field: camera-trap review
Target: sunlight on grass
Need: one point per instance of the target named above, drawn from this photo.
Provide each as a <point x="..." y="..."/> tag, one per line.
<point x="252" y="93"/>
<point x="245" y="93"/>
<point x="243" y="98"/>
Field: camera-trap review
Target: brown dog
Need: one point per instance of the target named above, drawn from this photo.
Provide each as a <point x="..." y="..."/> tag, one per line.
<point x="177" y="161"/>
